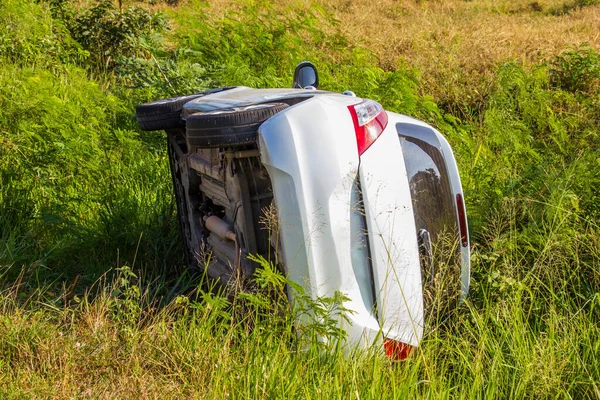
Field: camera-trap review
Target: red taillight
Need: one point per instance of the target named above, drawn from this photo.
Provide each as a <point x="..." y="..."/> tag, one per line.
<point x="396" y="350"/>
<point x="370" y="119"/>
<point x="462" y="220"/>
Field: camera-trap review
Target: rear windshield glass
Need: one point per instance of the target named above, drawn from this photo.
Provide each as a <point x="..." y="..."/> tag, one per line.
<point x="434" y="211"/>
<point x="432" y="197"/>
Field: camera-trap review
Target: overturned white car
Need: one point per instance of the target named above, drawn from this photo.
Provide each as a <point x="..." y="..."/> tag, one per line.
<point x="348" y="197"/>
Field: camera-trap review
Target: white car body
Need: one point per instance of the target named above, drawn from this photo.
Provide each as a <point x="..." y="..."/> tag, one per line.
<point x="347" y="222"/>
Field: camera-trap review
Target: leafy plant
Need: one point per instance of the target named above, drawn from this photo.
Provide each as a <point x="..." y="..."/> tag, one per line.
<point x="125" y="304"/>
<point x="315" y="322"/>
<point x="576" y="70"/>
<point x="109" y="34"/>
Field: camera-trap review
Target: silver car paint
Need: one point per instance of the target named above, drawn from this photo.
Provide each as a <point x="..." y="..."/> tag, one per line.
<point x="310" y="153"/>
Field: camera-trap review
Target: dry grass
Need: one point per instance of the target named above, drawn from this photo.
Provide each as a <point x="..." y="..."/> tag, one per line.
<point x="456" y="44"/>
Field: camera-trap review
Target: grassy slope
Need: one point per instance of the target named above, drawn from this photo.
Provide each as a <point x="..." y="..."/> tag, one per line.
<point x="458" y="45"/>
<point x="83" y="191"/>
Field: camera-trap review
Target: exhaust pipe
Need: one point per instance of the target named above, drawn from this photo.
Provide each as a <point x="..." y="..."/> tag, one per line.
<point x="219" y="227"/>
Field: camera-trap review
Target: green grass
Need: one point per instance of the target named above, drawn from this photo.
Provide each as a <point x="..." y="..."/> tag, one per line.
<point x="93" y="296"/>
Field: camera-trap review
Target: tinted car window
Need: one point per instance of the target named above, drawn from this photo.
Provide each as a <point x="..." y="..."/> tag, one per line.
<point x="435" y="212"/>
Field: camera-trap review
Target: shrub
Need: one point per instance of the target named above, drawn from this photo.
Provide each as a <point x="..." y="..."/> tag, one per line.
<point x="29" y="36"/>
<point x="576" y="70"/>
<point x="109" y="34"/>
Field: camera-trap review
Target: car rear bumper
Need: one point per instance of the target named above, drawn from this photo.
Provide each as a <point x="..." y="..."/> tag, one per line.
<point x="346" y="222"/>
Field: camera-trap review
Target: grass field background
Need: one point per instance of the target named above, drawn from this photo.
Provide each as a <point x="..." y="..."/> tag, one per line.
<point x="94" y="299"/>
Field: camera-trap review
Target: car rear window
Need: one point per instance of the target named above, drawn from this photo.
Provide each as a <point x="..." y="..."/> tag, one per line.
<point x="434" y="210"/>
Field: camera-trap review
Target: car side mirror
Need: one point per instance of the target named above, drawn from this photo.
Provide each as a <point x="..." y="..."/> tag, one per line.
<point x="305" y="75"/>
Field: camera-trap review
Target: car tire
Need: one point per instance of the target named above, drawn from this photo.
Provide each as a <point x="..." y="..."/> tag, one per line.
<point x="185" y="229"/>
<point x="162" y="114"/>
<point x="166" y="113"/>
<point x="229" y="126"/>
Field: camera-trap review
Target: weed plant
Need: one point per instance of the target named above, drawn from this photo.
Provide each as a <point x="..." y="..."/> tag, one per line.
<point x="94" y="298"/>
